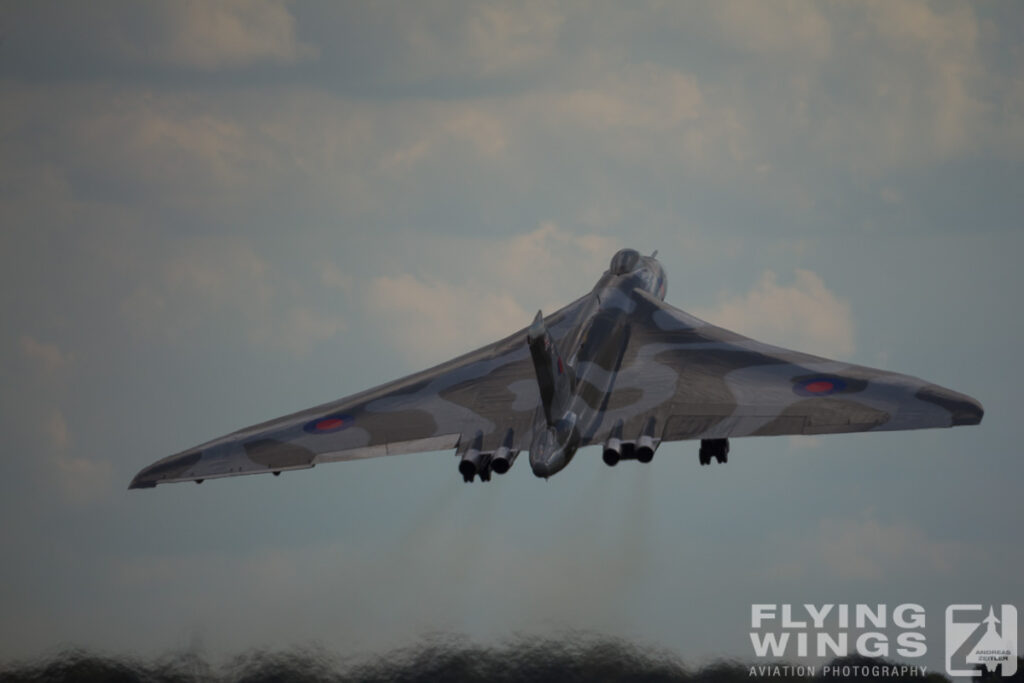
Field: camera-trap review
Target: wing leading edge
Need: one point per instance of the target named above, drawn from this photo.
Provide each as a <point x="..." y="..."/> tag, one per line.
<point x="705" y="382"/>
<point x="483" y="393"/>
<point x="653" y="373"/>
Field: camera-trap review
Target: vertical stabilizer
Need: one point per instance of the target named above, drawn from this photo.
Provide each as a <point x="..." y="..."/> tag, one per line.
<point x="554" y="377"/>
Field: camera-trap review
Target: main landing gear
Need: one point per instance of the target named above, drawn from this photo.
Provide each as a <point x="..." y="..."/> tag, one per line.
<point x="714" y="448"/>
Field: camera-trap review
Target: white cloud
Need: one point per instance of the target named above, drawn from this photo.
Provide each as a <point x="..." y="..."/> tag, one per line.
<point x="479" y="40"/>
<point x="772" y="28"/>
<point x="804" y="315"/>
<point x="428" y="319"/>
<point x="638" y="113"/>
<point x="77" y="479"/>
<point x="331" y="275"/>
<point x="432" y="315"/>
<point x="214" y="35"/>
<point x="920" y="92"/>
<point x="47" y="355"/>
<point x="208" y="283"/>
<point x="891" y="195"/>
<point x="543" y="259"/>
<point x="866" y="549"/>
<point x="57" y="431"/>
<point x="221" y="154"/>
<point x="83" y="480"/>
<point x="449" y="127"/>
<point x="648" y="97"/>
<point x="301" y="328"/>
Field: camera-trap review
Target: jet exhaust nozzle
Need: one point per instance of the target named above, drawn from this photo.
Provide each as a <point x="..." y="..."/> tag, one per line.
<point x="645" y="452"/>
<point x="467" y="469"/>
<point x="613" y="446"/>
<point x="503" y="458"/>
<point x="474" y="462"/>
<point x="646" y="445"/>
<point x="612" y="452"/>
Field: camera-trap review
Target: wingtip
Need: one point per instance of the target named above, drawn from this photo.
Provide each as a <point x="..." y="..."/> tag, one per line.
<point x="964" y="410"/>
<point x="141" y="485"/>
<point x="971" y="415"/>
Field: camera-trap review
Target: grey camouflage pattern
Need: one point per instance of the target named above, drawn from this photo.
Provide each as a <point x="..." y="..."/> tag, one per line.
<point x="629" y="358"/>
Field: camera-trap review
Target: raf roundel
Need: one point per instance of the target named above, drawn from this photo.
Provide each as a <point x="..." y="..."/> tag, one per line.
<point x="328" y="424"/>
<point x="819" y="386"/>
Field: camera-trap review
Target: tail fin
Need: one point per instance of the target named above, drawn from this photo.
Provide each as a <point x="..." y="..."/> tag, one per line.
<point x="554" y="377"/>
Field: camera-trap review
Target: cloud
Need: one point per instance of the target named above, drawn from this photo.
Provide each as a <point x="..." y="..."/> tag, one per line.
<point x="918" y="92"/>
<point x="792" y="27"/>
<point x="83" y="480"/>
<point x="544" y="258"/>
<point x="78" y="479"/>
<point x="804" y="315"/>
<point x="645" y="114"/>
<point x="641" y="114"/>
<point x="230" y="33"/>
<point x="648" y="97"/>
<point x="502" y="37"/>
<point x="427" y="319"/>
<point x="211" y="156"/>
<point x="331" y="275"/>
<point x="111" y="40"/>
<point x="191" y="34"/>
<point x="914" y="85"/>
<point x="213" y="283"/>
<point x="435" y="312"/>
<point x="866" y="549"/>
<point x="478" y="40"/>
<point x="302" y="328"/>
<point x="57" y="430"/>
<point x="46" y="355"/>
<point x="439" y="129"/>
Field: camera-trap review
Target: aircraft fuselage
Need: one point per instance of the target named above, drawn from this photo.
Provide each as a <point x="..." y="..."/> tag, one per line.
<point x="585" y="368"/>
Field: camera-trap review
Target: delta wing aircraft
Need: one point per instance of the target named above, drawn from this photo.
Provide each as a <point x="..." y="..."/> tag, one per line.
<point x="618" y="367"/>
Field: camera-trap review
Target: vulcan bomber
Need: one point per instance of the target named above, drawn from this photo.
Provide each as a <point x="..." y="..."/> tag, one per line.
<point x="618" y="368"/>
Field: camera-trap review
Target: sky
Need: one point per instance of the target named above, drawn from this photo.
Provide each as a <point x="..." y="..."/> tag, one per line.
<point x="213" y="214"/>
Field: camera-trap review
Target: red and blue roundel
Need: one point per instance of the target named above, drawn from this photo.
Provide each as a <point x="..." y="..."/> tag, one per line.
<point x="329" y="424"/>
<point x="819" y="386"/>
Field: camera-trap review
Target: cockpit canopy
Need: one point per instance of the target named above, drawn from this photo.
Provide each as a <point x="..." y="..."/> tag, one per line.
<point x="624" y="261"/>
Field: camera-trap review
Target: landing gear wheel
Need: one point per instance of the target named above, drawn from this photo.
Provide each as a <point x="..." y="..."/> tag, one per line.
<point x="714" y="448"/>
<point x="722" y="453"/>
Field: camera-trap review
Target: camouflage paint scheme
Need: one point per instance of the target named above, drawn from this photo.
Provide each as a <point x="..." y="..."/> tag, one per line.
<point x="615" y="366"/>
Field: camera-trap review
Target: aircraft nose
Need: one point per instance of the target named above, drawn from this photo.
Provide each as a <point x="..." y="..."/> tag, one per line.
<point x="546" y="467"/>
<point x="964" y="409"/>
<point x="540" y="469"/>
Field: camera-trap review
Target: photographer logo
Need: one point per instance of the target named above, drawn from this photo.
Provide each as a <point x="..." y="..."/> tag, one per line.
<point x="974" y="640"/>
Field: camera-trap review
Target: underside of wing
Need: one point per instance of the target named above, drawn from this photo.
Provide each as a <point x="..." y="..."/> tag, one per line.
<point x="700" y="381"/>
<point x="487" y="397"/>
